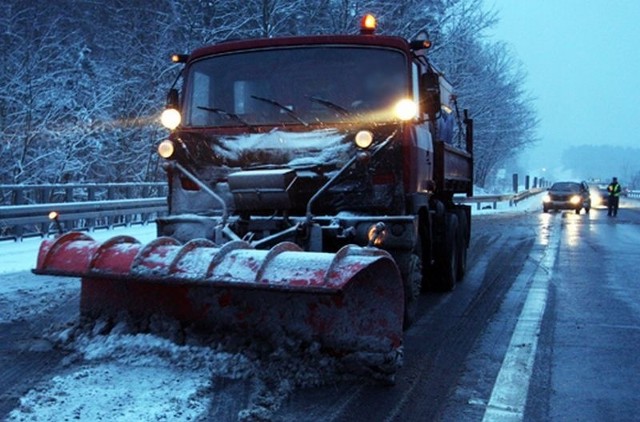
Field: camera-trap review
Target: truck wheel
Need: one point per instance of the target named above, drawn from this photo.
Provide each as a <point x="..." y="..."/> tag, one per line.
<point x="413" y="287"/>
<point x="577" y="210"/>
<point x="463" y="245"/>
<point x="447" y="265"/>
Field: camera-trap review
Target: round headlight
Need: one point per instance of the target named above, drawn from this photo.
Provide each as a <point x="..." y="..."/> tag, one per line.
<point x="363" y="139"/>
<point x="166" y="149"/>
<point x="406" y="109"/>
<point x="546" y="198"/>
<point x="170" y="118"/>
<point x="575" y="200"/>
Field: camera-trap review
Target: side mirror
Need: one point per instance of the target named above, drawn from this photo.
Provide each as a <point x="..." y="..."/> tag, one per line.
<point x="430" y="87"/>
<point x="173" y="99"/>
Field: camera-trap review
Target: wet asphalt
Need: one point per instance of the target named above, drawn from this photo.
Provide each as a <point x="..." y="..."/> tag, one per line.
<point x="584" y="366"/>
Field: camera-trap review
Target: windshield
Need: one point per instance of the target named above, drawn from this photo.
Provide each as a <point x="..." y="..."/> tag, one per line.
<point x="294" y="86"/>
<point x="566" y="187"/>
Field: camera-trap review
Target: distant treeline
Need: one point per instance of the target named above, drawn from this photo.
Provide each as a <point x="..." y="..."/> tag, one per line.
<point x="604" y="162"/>
<point x="84" y="81"/>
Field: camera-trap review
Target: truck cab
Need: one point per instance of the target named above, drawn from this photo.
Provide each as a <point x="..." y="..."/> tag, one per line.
<point x="323" y="141"/>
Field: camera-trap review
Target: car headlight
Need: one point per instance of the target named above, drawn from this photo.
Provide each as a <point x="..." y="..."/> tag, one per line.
<point x="575" y="199"/>
<point x="546" y="199"/>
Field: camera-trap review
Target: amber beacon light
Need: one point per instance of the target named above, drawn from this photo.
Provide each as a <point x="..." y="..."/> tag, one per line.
<point x="368" y="24"/>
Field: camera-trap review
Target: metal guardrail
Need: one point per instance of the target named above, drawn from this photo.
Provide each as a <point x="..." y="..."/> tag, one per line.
<point x="635" y="194"/>
<point x="18" y="221"/>
<point x="513" y="199"/>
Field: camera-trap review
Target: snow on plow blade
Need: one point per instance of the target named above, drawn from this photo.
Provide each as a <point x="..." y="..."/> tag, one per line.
<point x="348" y="302"/>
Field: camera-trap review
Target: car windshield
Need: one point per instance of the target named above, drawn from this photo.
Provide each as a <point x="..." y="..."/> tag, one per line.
<point x="566" y="187"/>
<point x="294" y="86"/>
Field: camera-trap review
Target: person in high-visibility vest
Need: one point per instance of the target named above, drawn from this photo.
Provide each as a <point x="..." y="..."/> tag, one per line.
<point x="614" y="190"/>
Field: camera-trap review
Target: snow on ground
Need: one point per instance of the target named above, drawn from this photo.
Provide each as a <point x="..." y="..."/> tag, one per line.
<point x="121" y="376"/>
<point x="530" y="204"/>
<point x="21" y="256"/>
<point x="126" y="377"/>
<point x="23" y="297"/>
<point x="115" y="374"/>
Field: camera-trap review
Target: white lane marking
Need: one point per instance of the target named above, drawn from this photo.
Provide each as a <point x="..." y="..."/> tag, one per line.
<point x="509" y="394"/>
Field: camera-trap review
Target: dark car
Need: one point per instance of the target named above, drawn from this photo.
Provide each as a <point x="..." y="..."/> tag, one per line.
<point x="567" y="196"/>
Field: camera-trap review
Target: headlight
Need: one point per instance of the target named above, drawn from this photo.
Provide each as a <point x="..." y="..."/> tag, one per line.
<point x="363" y="139"/>
<point x="575" y="199"/>
<point x="546" y="199"/>
<point x="166" y="149"/>
<point x="406" y="109"/>
<point x="170" y="118"/>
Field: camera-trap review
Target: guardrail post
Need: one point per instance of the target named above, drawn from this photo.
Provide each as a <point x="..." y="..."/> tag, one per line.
<point x="43" y="196"/>
<point x="18" y="196"/>
<point x="515" y="182"/>
<point x="535" y="182"/>
<point x="129" y="218"/>
<point x="110" y="196"/>
<point x="526" y="182"/>
<point x="91" y="196"/>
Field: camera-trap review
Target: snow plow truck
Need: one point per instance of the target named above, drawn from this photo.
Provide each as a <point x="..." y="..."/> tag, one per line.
<point x="311" y="184"/>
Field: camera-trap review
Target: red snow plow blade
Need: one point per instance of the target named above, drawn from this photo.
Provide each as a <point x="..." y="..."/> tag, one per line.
<point x="348" y="302"/>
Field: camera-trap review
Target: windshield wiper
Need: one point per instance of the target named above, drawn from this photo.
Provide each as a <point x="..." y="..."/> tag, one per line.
<point x="281" y="107"/>
<point x="329" y="104"/>
<point x="225" y="113"/>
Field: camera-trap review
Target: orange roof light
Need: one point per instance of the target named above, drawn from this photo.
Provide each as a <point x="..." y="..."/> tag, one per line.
<point x="368" y="24"/>
<point x="179" y="58"/>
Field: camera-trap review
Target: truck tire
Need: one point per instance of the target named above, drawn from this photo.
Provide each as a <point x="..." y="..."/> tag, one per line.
<point x="447" y="254"/>
<point x="463" y="243"/>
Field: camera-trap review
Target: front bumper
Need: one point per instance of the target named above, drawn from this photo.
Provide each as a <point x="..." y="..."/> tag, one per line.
<point x="562" y="205"/>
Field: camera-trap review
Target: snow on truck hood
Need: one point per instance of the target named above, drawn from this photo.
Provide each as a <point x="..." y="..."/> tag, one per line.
<point x="295" y="149"/>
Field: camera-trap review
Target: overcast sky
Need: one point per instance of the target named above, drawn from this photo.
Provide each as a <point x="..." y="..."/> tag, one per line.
<point x="583" y="64"/>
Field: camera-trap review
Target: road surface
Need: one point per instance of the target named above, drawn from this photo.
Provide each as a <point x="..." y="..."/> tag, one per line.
<point x="546" y="326"/>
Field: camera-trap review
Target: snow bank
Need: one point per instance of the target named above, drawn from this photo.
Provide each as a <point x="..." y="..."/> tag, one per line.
<point x="528" y="205"/>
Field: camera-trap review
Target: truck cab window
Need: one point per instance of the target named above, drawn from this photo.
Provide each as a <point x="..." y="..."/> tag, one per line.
<point x="320" y="84"/>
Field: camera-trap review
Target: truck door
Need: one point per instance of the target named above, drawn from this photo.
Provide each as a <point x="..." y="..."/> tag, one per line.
<point x="422" y="139"/>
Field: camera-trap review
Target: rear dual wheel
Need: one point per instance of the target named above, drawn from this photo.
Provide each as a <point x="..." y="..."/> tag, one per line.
<point x="463" y="243"/>
<point x="448" y="254"/>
